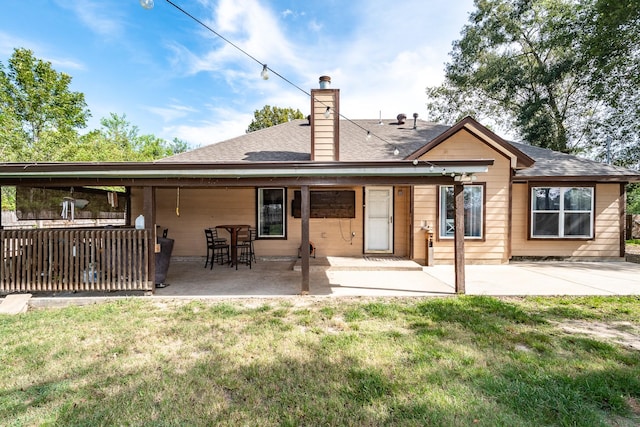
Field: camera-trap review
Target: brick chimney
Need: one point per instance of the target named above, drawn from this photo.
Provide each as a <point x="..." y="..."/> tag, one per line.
<point x="325" y="131"/>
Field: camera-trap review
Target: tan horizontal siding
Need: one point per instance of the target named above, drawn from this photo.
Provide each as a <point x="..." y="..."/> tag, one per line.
<point x="201" y="208"/>
<point x="494" y="248"/>
<point x="607" y="226"/>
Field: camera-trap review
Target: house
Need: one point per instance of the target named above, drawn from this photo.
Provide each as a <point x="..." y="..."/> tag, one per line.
<point x="399" y="187"/>
<point x="531" y="203"/>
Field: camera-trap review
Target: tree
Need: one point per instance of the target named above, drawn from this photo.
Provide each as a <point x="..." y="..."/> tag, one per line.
<point x="534" y="65"/>
<point x="118" y="140"/>
<point x="40" y="118"/>
<point x="41" y="112"/>
<point x="611" y="36"/>
<point x="271" y="116"/>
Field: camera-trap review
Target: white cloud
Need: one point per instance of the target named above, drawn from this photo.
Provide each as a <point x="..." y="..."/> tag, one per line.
<point x="315" y="26"/>
<point x="98" y="16"/>
<point x="209" y="132"/>
<point x="8" y="43"/>
<point x="171" y="112"/>
<point x="382" y="63"/>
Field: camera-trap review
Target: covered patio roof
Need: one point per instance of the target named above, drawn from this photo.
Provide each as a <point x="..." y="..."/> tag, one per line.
<point x="305" y="174"/>
<point x="228" y="173"/>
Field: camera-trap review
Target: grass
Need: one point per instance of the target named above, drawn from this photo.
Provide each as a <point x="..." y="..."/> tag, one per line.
<point x="381" y="362"/>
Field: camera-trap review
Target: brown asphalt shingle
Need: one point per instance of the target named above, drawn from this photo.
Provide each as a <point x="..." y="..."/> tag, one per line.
<point x="292" y="142"/>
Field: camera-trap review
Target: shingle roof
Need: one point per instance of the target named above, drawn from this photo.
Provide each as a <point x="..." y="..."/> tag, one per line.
<point x="549" y="163"/>
<point x="292" y="142"/>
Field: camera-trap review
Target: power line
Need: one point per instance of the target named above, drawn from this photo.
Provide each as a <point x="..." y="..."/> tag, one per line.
<point x="148" y="4"/>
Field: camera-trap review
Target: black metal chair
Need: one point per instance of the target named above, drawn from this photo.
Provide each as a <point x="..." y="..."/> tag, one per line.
<point x="253" y="234"/>
<point x="216" y="238"/>
<point x="217" y="250"/>
<point x="246" y="253"/>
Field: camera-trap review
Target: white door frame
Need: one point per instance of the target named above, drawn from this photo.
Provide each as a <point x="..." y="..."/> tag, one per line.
<point x="378" y="220"/>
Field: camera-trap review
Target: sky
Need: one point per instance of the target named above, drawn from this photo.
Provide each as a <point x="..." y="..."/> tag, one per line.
<point x="173" y="78"/>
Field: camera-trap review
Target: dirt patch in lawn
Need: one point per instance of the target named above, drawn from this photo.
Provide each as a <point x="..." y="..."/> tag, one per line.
<point x="624" y="333"/>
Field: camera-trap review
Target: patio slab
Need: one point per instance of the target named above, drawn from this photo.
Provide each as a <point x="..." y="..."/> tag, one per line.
<point x="547" y="278"/>
<point x="347" y="277"/>
<point x="328" y="276"/>
<point x="351" y="276"/>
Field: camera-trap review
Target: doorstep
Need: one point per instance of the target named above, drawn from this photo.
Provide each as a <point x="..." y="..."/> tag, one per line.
<point x="364" y="263"/>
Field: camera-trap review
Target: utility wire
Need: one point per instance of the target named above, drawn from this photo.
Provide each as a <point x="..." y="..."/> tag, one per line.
<point x="369" y="133"/>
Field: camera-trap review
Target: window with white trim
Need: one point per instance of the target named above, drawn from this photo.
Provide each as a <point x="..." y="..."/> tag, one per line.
<point x="473" y="211"/>
<point x="562" y="212"/>
<point x="271" y="212"/>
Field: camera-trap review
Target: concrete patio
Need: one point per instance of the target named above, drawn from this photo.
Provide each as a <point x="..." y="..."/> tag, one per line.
<point x="374" y="277"/>
<point x="382" y="276"/>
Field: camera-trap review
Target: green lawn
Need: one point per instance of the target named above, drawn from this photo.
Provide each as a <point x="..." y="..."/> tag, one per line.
<point x="458" y="361"/>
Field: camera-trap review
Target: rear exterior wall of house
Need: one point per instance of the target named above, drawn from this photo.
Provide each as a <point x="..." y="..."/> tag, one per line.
<point x="607" y="227"/>
<point x="493" y="247"/>
<point x="201" y="208"/>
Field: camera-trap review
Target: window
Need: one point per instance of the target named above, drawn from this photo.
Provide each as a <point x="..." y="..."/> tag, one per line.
<point x="562" y="212"/>
<point x="473" y="210"/>
<point x="271" y="212"/>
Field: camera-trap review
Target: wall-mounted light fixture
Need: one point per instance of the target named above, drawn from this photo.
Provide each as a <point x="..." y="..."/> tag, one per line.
<point x="327" y="113"/>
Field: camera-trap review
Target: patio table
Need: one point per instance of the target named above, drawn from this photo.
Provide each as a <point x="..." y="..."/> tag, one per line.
<point x="233" y="233"/>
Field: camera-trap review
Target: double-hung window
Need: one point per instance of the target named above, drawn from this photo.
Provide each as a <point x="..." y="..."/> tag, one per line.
<point x="473" y="211"/>
<point x="562" y="212"/>
<point x="271" y="213"/>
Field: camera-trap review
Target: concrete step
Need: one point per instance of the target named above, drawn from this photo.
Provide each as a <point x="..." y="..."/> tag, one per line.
<point x="15" y="304"/>
<point x="367" y="263"/>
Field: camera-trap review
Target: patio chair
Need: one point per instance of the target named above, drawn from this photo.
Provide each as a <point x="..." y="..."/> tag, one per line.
<point x="217" y="250"/>
<point x="253" y="233"/>
<point x="217" y="238"/>
<point x="246" y="254"/>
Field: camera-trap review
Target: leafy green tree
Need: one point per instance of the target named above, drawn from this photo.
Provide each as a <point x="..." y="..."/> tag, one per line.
<point x="40" y="118"/>
<point x="633" y="199"/>
<point x="534" y="66"/>
<point x="40" y="111"/>
<point x="611" y="36"/>
<point x="177" y="146"/>
<point x="119" y="140"/>
<point x="270" y="116"/>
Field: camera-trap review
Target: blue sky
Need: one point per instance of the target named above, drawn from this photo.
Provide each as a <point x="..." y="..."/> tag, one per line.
<point x="173" y="78"/>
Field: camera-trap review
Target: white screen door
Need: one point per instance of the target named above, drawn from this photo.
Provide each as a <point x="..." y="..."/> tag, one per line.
<point x="378" y="236"/>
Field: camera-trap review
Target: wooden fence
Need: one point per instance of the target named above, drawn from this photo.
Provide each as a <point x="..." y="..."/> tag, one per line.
<point x="57" y="260"/>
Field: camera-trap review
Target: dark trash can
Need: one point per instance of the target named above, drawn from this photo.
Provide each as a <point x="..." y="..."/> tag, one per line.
<point x="162" y="260"/>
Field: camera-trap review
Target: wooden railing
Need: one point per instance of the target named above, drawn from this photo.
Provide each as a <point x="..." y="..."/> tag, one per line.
<point x="57" y="260"/>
